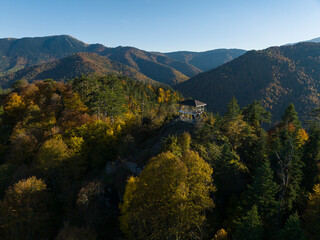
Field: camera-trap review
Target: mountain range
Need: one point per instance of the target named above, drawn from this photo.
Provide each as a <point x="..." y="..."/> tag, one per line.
<point x="17" y="54"/>
<point x="276" y="76"/>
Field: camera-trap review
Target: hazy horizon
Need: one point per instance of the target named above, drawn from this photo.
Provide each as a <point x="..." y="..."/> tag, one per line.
<point x="166" y="26"/>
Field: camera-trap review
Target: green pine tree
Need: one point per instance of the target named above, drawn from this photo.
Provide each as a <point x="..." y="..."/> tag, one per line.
<point x="293" y="229"/>
<point x="229" y="172"/>
<point x="253" y="151"/>
<point x="311" y="158"/>
<point x="291" y="116"/>
<point x="233" y="109"/>
<point x="250" y="226"/>
<point x="105" y="95"/>
<point x="286" y="159"/>
<point x="288" y="166"/>
<point x="255" y="114"/>
<point x="263" y="190"/>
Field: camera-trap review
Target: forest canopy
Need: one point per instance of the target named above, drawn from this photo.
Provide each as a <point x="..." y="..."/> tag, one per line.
<point x="105" y="157"/>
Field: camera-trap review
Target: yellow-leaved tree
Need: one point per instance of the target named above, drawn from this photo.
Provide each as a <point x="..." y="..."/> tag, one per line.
<point x="221" y="235"/>
<point x="52" y="154"/>
<point x="25" y="211"/>
<point x="14" y="105"/>
<point x="169" y="198"/>
<point x="161" y="95"/>
<point x="52" y="159"/>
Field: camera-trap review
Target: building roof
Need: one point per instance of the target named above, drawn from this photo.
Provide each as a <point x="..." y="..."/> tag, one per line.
<point x="193" y="103"/>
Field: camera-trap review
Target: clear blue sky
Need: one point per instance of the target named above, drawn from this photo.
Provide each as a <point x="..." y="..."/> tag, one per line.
<point x="165" y="25"/>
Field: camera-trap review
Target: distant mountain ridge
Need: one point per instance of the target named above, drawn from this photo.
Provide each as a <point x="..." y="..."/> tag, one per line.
<point x="207" y="60"/>
<point x="73" y="66"/>
<point x="276" y="76"/>
<point x="17" y="54"/>
<point x="315" y="40"/>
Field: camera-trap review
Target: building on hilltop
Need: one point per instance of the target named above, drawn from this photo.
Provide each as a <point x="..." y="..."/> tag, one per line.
<point x="191" y="110"/>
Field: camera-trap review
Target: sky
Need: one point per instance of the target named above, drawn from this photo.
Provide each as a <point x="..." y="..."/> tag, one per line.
<point x="165" y="25"/>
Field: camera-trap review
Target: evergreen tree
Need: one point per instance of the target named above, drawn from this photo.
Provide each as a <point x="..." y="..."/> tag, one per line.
<point x="311" y="158"/>
<point x="253" y="151"/>
<point x="233" y="109"/>
<point x="293" y="229"/>
<point x="250" y="226"/>
<point x="105" y="95"/>
<point x="291" y="116"/>
<point x="108" y="98"/>
<point x="286" y="158"/>
<point x="288" y="167"/>
<point x="229" y="172"/>
<point x="262" y="192"/>
<point x="255" y="114"/>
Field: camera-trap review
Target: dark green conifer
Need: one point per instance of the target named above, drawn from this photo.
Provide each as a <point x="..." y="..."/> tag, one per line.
<point x="311" y="158"/>
<point x="288" y="166"/>
<point x="293" y="229"/>
<point x="250" y="226"/>
<point x="255" y="114"/>
<point x="263" y="190"/>
<point x="253" y="151"/>
<point x="286" y="158"/>
<point x="291" y="116"/>
<point x="233" y="109"/>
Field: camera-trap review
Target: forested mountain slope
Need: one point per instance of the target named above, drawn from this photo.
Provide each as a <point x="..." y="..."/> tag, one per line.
<point x="276" y="76"/>
<point x="73" y="66"/>
<point x="16" y="54"/>
<point x="156" y="66"/>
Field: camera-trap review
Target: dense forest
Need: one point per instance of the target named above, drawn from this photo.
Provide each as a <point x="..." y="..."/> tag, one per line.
<point x="105" y="158"/>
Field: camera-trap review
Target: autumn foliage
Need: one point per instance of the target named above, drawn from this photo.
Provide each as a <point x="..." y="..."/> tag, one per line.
<point x="103" y="157"/>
